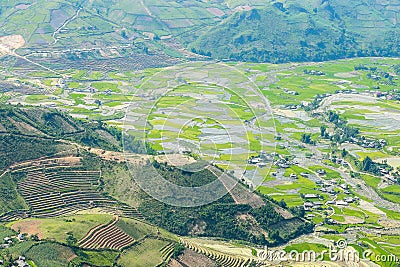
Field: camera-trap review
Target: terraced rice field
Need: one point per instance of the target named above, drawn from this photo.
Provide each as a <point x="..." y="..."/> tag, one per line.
<point x="54" y="193"/>
<point x="223" y="260"/>
<point x="106" y="236"/>
<point x="209" y="110"/>
<point x="167" y="251"/>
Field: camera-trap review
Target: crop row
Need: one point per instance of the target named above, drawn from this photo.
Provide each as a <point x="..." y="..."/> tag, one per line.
<point x="220" y="258"/>
<point x="167" y="252"/>
<point x="106" y="236"/>
<point x="52" y="194"/>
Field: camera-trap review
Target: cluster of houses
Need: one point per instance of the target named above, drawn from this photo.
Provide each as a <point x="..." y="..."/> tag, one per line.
<point x="388" y="95"/>
<point x="20" y="262"/>
<point x="340" y="161"/>
<point x="314" y="72"/>
<point x="293" y="107"/>
<point x="389" y="177"/>
<point x="368" y="143"/>
<point x="310" y="205"/>
<point x="290" y="92"/>
<point x="328" y="187"/>
<point x="9" y="241"/>
<point x="263" y="159"/>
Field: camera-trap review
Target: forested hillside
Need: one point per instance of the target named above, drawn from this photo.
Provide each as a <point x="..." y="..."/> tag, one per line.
<point x="299" y="32"/>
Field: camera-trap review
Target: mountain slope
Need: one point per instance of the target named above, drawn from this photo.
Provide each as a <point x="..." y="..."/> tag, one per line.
<point x="288" y="30"/>
<point x="281" y="32"/>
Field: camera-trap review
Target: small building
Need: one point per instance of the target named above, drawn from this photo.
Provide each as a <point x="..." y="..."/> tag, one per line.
<point x="255" y="160"/>
<point x="349" y="199"/>
<point x="308" y="205"/>
<point x="341" y="203"/>
<point x="310" y="196"/>
<point x="21" y="237"/>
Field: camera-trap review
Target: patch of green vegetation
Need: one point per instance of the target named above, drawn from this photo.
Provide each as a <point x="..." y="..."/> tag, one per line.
<point x="10" y="199"/>
<point x="172" y="101"/>
<point x="291" y="200"/>
<point x="330" y="174"/>
<point x="95" y="258"/>
<point x="50" y="254"/>
<point x="78" y="225"/>
<point x="266" y="190"/>
<point x="6" y="232"/>
<point x="104" y="86"/>
<point x="139" y="229"/>
<point x="36" y="98"/>
<point x="317" y="248"/>
<point x="73" y="85"/>
<point x="145" y="253"/>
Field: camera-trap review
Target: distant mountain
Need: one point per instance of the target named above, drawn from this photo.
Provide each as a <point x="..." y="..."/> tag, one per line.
<point x="305" y="31"/>
<point x="158" y="31"/>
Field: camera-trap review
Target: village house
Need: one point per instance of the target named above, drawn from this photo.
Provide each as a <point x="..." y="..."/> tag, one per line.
<point x="307" y="196"/>
<point x="342" y="203"/>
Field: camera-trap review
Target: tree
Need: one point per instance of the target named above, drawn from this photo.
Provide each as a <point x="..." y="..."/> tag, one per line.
<point x="71" y="240"/>
<point x="124" y="35"/>
<point x="274" y="235"/>
<point x="178" y="250"/>
<point x="282" y="203"/>
<point x="323" y="129"/>
<point x="306" y="138"/>
<point x="397" y="69"/>
<point x="368" y="165"/>
<point x="35" y="237"/>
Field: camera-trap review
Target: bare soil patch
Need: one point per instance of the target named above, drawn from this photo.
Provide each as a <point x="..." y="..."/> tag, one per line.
<point x="192" y="259"/>
<point x="352" y="220"/>
<point x="351" y="74"/>
<point x="370" y="207"/>
<point x="10" y="43"/>
<point x="177" y="160"/>
<point x="30" y="227"/>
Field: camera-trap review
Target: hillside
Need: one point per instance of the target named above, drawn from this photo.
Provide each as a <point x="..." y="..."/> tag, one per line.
<point x="294" y="31"/>
<point x="158" y="33"/>
<point x="61" y="177"/>
<point x="30" y="133"/>
<point x="164" y="32"/>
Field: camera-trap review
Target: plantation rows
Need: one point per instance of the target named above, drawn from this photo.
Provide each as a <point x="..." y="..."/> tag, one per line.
<point x="39" y="166"/>
<point x="13" y="216"/>
<point x="51" y="194"/>
<point x="167" y="252"/>
<point x="106" y="236"/>
<point x="221" y="259"/>
<point x="124" y="211"/>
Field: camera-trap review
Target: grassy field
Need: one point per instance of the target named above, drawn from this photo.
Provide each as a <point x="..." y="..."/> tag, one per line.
<point x="146" y="253"/>
<point x="50" y="254"/>
<point x="57" y="228"/>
